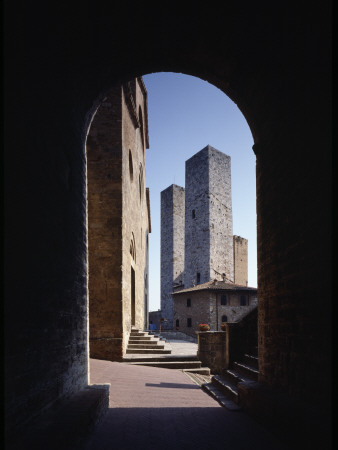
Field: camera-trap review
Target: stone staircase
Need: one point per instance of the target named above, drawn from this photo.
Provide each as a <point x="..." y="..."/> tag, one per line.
<point x="146" y="350"/>
<point x="141" y="342"/>
<point x="224" y="387"/>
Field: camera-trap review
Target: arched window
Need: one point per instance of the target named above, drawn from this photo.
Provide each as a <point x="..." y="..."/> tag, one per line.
<point x="224" y="318"/>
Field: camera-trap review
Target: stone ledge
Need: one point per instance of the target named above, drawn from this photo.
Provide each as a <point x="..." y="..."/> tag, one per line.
<point x="67" y="425"/>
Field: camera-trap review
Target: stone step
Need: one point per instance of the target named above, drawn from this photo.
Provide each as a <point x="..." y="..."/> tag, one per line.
<point x="68" y="424"/>
<point x="251" y="360"/>
<point x="158" y="358"/>
<point x="222" y="399"/>
<point x="169" y="364"/>
<point x="138" y="333"/>
<point x="141" y="338"/>
<point x="200" y="370"/>
<point x="226" y="387"/>
<point x="234" y="377"/>
<point x="148" y="351"/>
<point x="150" y="345"/>
<point x="248" y="371"/>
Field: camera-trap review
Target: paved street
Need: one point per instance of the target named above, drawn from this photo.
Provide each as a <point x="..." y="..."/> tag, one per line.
<point x="154" y="408"/>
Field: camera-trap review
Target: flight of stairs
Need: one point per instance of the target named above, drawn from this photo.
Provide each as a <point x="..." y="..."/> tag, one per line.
<point x="145" y="350"/>
<point x="224" y="387"/>
<point x="141" y="342"/>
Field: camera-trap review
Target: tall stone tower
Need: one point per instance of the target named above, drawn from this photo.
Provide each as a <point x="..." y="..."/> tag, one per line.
<point x="240" y="260"/>
<point x="208" y="218"/>
<point x="172" y="246"/>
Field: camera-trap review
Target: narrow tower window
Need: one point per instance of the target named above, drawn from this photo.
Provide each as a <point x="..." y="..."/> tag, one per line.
<point x="131" y="169"/>
<point x="198" y="277"/>
<point x="189" y="322"/>
<point x="193" y="214"/>
<point x="223" y="300"/>
<point x="188" y="301"/>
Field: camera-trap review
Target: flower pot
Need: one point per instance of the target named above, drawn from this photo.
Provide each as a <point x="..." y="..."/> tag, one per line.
<point x="204" y="327"/>
<point x="223" y="327"/>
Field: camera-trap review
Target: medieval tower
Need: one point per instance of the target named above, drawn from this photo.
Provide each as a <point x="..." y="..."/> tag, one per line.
<point x="208" y="218"/>
<point x="172" y="246"/>
<point x="197" y="242"/>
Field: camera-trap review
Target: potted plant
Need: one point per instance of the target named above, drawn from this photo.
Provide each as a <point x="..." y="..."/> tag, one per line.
<point x="204" y="327"/>
<point x="223" y="326"/>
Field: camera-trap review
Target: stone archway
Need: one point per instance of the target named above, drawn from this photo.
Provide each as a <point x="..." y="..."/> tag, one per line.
<point x="275" y="65"/>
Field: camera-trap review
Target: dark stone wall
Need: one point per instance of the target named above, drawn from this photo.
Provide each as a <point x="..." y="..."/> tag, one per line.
<point x="274" y="61"/>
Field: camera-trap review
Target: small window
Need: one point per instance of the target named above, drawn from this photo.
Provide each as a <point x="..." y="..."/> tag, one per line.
<point x="223" y="300"/>
<point x="140" y="179"/>
<point x="243" y="300"/>
<point x="193" y="214"/>
<point x="198" y="277"/>
<point x="189" y="322"/>
<point x="188" y="301"/>
<point x="224" y="318"/>
<point x="131" y="168"/>
<point x="177" y="323"/>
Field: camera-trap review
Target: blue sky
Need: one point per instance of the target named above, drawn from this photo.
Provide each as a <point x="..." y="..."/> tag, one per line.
<point x="185" y="114"/>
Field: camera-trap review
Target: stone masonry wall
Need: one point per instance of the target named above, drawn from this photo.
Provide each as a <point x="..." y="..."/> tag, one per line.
<point x="240" y="260"/>
<point x="172" y="246"/>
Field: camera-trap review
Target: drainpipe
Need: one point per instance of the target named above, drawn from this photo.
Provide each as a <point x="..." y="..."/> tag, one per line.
<point x="216" y="314"/>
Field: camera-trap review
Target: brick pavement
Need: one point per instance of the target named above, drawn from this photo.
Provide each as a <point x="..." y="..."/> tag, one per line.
<point x="154" y="408"/>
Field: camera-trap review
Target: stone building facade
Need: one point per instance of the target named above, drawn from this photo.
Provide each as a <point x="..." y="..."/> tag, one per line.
<point x="118" y="219"/>
<point x="213" y="302"/>
<point x="197" y="242"/>
<point x="240" y="260"/>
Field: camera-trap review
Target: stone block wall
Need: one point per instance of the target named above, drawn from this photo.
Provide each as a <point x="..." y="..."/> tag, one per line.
<point x="172" y="246"/>
<point x="212" y="350"/>
<point x="118" y="219"/>
<point x="240" y="260"/>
